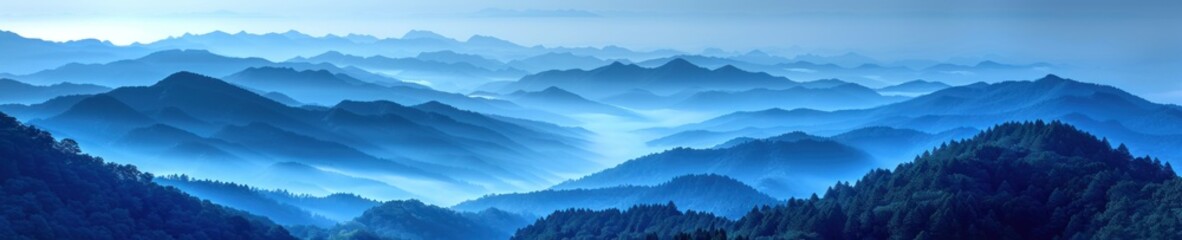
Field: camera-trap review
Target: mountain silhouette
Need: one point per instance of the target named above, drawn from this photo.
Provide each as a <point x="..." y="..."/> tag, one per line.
<point x="981" y="105"/>
<point x="462" y="151"/>
<point x="280" y="206"/>
<point x="65" y="193"/>
<point x="26" y="55"/>
<point x="557" y="100"/>
<point x="781" y="169"/>
<point x="157" y="65"/>
<point x="454" y="57"/>
<point x="672" y="77"/>
<point x="708" y="193"/>
<point x="1013" y="181"/>
<point x="844" y="96"/>
<point x="415" y="220"/>
<point x="13" y="91"/>
<point x="914" y="87"/>
<point x="557" y="61"/>
<point x="446" y="70"/>
<point x="244" y="198"/>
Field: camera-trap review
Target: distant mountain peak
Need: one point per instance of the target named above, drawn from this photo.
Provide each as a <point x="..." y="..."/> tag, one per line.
<point x="7" y="34"/>
<point x="293" y="34"/>
<point x="757" y="53"/>
<point x="615" y="64"/>
<point x="553" y="89"/>
<point x="180" y="55"/>
<point x="190" y="79"/>
<point x="729" y="68"/>
<point x="422" y="34"/>
<point x="990" y="63"/>
<point x="1052" y="78"/>
<point x="332" y="54"/>
<point x="678" y="64"/>
<point x="551" y="93"/>
<point x="486" y="39"/>
<point x="442" y="53"/>
<point x="182" y="52"/>
<point x="435" y="105"/>
<point x="216" y="33"/>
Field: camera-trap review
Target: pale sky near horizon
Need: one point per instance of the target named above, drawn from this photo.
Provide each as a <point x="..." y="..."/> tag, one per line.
<point x="1133" y="44"/>
<point x="934" y="29"/>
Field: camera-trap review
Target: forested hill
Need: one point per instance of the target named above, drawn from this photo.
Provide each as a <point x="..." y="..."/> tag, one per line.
<point x="50" y="190"/>
<point x="1031" y="180"/>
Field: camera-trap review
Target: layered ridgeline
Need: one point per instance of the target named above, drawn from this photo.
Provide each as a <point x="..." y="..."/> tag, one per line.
<point x="206" y="128"/>
<point x="887" y="145"/>
<point x="415" y="42"/>
<point x="557" y="100"/>
<point x="913" y="88"/>
<point x="280" y="206"/>
<point x="156" y="65"/>
<point x="324" y="87"/>
<point x="445" y="70"/>
<point x="322" y="84"/>
<point x="707" y="193"/>
<point x="1104" y="110"/>
<point x="418" y="221"/>
<point x="1030" y="180"/>
<point x="865" y="70"/>
<point x="25" y="55"/>
<point x="50" y="190"/>
<point x="348" y="216"/>
<point x="422" y="54"/>
<point x="679" y="84"/>
<point x="13" y="91"/>
<point x="28" y="54"/>
<point x="781" y="169"/>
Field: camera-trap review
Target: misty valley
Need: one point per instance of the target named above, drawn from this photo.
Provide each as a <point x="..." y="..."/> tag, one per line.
<point x="422" y="136"/>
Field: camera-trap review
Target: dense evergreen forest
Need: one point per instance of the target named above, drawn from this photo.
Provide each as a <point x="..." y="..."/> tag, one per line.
<point x="50" y="190"/>
<point x="1031" y="180"/>
<point x="414" y="220"/>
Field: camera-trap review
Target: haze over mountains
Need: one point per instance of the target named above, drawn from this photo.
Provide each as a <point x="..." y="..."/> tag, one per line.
<point x="428" y="137"/>
<point x="1107" y="111"/>
<point x="227" y="128"/>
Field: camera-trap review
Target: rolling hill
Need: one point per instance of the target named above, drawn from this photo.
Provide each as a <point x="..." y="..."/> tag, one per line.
<point x="781" y="169"/>
<point x="716" y="194"/>
<point x="222" y="127"/>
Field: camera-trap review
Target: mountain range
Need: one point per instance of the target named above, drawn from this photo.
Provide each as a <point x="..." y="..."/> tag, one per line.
<point x="1104" y="110"/>
<point x="866" y="71"/>
<point x="157" y="65"/>
<point x="781" y="169"/>
<point x="13" y="91"/>
<point x="54" y="191"/>
<point x="675" y="76"/>
<point x="716" y="194"/>
<point x="26" y="55"/>
<point x="433" y="69"/>
<point x="1030" y="180"/>
<point x="560" y="101"/>
<point x="203" y="127"/>
<point x="913" y="88"/>
<point x="416" y="220"/>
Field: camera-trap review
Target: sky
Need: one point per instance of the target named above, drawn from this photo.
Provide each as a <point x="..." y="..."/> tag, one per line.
<point x="898" y="29"/>
<point x="1081" y="32"/>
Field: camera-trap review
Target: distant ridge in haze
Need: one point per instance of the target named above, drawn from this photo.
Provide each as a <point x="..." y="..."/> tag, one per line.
<point x="675" y="76"/>
<point x="1097" y="108"/>
<point x="708" y="193"/>
<point x="13" y="91"/>
<point x="1012" y="181"/>
<point x="780" y="169"/>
